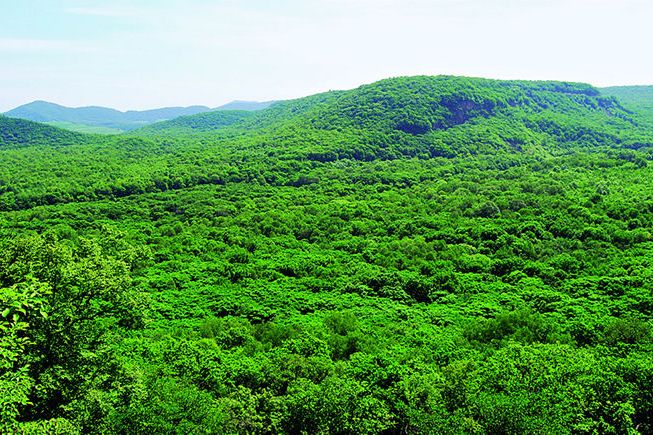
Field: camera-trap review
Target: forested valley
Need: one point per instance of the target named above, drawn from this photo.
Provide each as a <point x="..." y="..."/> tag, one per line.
<point x="417" y="255"/>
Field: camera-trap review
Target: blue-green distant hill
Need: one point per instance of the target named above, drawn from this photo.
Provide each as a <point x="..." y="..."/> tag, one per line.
<point x="95" y="119"/>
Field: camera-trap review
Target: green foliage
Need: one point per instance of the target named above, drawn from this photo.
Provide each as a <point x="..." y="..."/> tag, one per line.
<point x="419" y="255"/>
<point x="16" y="133"/>
<point x="61" y="302"/>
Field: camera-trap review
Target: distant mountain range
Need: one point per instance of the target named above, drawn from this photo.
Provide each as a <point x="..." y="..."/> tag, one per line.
<point x="95" y="119"/>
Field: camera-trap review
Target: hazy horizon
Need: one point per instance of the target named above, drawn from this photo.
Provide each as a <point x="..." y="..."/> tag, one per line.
<point x="145" y="54"/>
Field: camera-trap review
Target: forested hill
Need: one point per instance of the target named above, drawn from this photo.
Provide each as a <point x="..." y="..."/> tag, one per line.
<point x="435" y="116"/>
<point x="418" y="255"/>
<point x="423" y="117"/>
<point x="447" y="116"/>
<point x="419" y="105"/>
<point x="21" y="133"/>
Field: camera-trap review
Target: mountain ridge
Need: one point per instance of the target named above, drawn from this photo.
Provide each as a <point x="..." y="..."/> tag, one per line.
<point x="422" y="118"/>
<point x="431" y="116"/>
<point x="109" y="118"/>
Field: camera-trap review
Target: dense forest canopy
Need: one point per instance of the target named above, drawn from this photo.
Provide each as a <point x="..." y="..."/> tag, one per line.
<point x="15" y="133"/>
<point x="417" y="255"/>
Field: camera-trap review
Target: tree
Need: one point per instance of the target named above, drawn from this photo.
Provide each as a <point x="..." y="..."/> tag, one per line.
<point x="62" y="300"/>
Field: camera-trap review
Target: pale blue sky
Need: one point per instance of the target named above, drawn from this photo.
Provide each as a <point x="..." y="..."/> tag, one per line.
<point x="149" y="53"/>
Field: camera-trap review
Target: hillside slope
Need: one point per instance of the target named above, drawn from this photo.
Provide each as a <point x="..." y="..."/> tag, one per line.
<point x="440" y="116"/>
<point x="21" y="133"/>
<point x="445" y="116"/>
<point x="193" y="124"/>
<point x="636" y="98"/>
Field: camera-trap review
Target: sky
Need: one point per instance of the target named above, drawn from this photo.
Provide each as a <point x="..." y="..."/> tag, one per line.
<point x="140" y="54"/>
